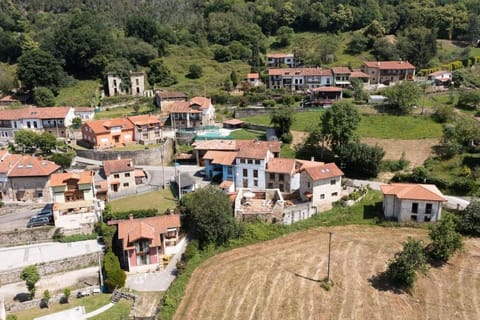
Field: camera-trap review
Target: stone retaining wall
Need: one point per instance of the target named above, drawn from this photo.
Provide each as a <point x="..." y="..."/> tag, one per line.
<point x="51" y="267"/>
<point x="26" y="236"/>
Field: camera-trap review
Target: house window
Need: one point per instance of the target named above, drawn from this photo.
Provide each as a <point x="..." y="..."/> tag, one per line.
<point x="428" y="208"/>
<point x="272" y="176"/>
<point x="127" y="174"/>
<point x="35" y="124"/>
<point x="245" y="183"/>
<point x="255" y="173"/>
<point x="257" y="161"/>
<point x="249" y="161"/>
<point x="281" y="187"/>
<point x="255" y="183"/>
<point x="334" y="194"/>
<point x="242" y="160"/>
<point x="333" y="181"/>
<point x="281" y="177"/>
<point x="427" y="218"/>
<point x="413" y="217"/>
<point x="229" y="170"/>
<point x="28" y="124"/>
<point x="308" y="184"/>
<point x="245" y="172"/>
<point x="415" y="208"/>
<point x="322" y="196"/>
<point x="116" y="176"/>
<point x="126" y="184"/>
<point x="270" y="185"/>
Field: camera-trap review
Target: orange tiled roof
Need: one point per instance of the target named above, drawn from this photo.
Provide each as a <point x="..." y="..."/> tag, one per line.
<point x="171" y="95"/>
<point x="144" y="119"/>
<point x="183" y="107"/>
<point x="132" y="230"/>
<point x="281" y="165"/>
<point x="116" y="166"/>
<point x="389" y="65"/>
<point x="221" y="157"/>
<point x="104" y="126"/>
<point x="438" y="73"/>
<point x="413" y="191"/>
<point x="8" y="161"/>
<point x="327" y="89"/>
<point x="280" y="55"/>
<point x="358" y="74"/>
<point x="342" y="70"/>
<point x="139" y="173"/>
<point x="203" y="102"/>
<point x="84" y="109"/>
<point x="101" y="186"/>
<point x="299" y="72"/>
<point x="254" y="150"/>
<point x="60" y="179"/>
<point x="35" y="113"/>
<point x="29" y="166"/>
<point x="328" y="170"/>
<point x="219" y="144"/>
<point x="8" y="98"/>
<point x="253" y="76"/>
<point x="233" y="122"/>
<point x="226" y="184"/>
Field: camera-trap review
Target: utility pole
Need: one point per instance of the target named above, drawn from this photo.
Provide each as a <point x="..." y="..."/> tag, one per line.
<point x="329" y="251"/>
<point x="163" y="166"/>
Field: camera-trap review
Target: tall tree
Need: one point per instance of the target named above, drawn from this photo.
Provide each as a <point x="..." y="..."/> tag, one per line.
<point x="418" y="45"/>
<point x="114" y="276"/>
<point x="37" y="68"/>
<point x="160" y="74"/>
<point x="339" y="124"/>
<point x="445" y="240"/>
<point x="403" y="96"/>
<point x="282" y="120"/>
<point x="31" y="276"/>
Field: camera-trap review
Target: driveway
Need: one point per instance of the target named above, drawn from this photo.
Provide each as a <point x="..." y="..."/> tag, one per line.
<point x="158" y="280"/>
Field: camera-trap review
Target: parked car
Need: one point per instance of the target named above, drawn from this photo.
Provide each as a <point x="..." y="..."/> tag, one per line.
<point x="37" y="221"/>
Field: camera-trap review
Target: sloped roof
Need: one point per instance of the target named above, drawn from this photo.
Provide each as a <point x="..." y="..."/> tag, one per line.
<point x="218" y="144"/>
<point x="131" y="230"/>
<point x="280" y="55"/>
<point x="299" y="72"/>
<point x="144" y="119"/>
<point x="327" y="89"/>
<point x="8" y="161"/>
<point x="341" y="70"/>
<point x="171" y="95"/>
<point x="254" y="150"/>
<point x="29" y="166"/>
<point x="116" y="166"/>
<point x="438" y="73"/>
<point x="35" y="113"/>
<point x="358" y="74"/>
<point x="104" y="126"/>
<point x="389" y="65"/>
<point x="183" y="107"/>
<point x="60" y="179"/>
<point x="221" y="157"/>
<point x="327" y="171"/>
<point x="84" y="109"/>
<point x="233" y="122"/>
<point x="203" y="102"/>
<point x="413" y="191"/>
<point x="253" y="76"/>
<point x="281" y="165"/>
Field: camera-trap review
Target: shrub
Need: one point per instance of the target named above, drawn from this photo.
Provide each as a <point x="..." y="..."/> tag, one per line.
<point x="222" y="54"/>
<point x="195" y="71"/>
<point x="347" y="93"/>
<point x="468" y="221"/>
<point x="31" y="276"/>
<point x="287" y="137"/>
<point x="445" y="240"/>
<point x="114" y="276"/>
<point x="268" y="103"/>
<point x="66" y="294"/>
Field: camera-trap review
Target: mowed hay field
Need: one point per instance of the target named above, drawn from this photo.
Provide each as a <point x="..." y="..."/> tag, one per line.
<point x="279" y="279"/>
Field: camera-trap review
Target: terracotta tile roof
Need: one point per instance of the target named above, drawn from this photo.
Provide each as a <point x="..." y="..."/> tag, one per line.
<point x="342" y="70"/>
<point x="253" y="76"/>
<point x="281" y="165"/>
<point x="359" y="74"/>
<point x="60" y="179"/>
<point x="203" y="102"/>
<point x="104" y="126"/>
<point x="221" y="157"/>
<point x="280" y="55"/>
<point x="101" y="186"/>
<point x="233" y="122"/>
<point x="171" y="95"/>
<point x="438" y="73"/>
<point x="144" y="119"/>
<point x="183" y="107"/>
<point x="131" y="230"/>
<point x="218" y="144"/>
<point x="226" y="184"/>
<point x="139" y="173"/>
<point x="327" y="171"/>
<point x="389" y="65"/>
<point x="35" y="113"/>
<point x="327" y="89"/>
<point x="116" y="166"/>
<point x="254" y="150"/>
<point x="302" y="164"/>
<point x="84" y="109"/>
<point x="299" y="72"/>
<point x="8" y="99"/>
<point x="8" y="161"/>
<point x="413" y="191"/>
<point x="28" y="166"/>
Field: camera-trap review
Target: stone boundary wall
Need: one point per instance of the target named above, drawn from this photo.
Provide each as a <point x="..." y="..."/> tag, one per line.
<point x="250" y="112"/>
<point x="56" y="266"/>
<point x="151" y="156"/>
<point x="26" y="236"/>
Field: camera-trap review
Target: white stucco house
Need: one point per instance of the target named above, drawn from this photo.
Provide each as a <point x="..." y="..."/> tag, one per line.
<point x="412" y="202"/>
<point x="250" y="165"/>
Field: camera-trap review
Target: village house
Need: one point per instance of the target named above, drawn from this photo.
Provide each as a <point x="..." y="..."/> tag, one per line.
<point x="341" y="76"/>
<point x="164" y="99"/>
<point x="299" y="79"/>
<point x="103" y="134"/>
<point x="147" y="129"/>
<point x="55" y="120"/>
<point x="253" y="79"/>
<point x="8" y="100"/>
<point x="233" y="124"/>
<point x="279" y="60"/>
<point x="440" y="78"/>
<point x="25" y="178"/>
<point x="388" y="72"/>
<point x="282" y="173"/>
<point x="325" y="96"/>
<point x="74" y="202"/>
<point x="85" y="113"/>
<point x="120" y="177"/>
<point x="196" y="112"/>
<point x="136" y="87"/>
<point x="412" y="202"/>
<point x="321" y="184"/>
<point x="145" y="241"/>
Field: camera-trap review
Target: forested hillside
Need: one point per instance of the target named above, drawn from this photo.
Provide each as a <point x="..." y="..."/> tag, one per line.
<point x="84" y="39"/>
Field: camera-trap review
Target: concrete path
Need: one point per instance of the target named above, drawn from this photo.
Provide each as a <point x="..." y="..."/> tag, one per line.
<point x="99" y="310"/>
<point x="158" y="280"/>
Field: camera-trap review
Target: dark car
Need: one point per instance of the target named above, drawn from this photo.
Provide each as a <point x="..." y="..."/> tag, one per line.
<point x="38" y="221"/>
<point x="46" y="212"/>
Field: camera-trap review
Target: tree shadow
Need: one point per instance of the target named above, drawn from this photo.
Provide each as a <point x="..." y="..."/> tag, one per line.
<point x="381" y="283"/>
<point x="22" y="297"/>
<point x="373" y="211"/>
<point x="307" y="278"/>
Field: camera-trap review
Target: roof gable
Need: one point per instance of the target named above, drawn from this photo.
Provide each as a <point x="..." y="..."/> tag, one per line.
<point x="412" y="191"/>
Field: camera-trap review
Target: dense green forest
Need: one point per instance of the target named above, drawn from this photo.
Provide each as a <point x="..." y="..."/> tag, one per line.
<point x="54" y="42"/>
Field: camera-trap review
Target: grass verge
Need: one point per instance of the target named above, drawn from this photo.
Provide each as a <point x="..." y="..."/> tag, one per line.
<point x="161" y="200"/>
<point x="77" y="95"/>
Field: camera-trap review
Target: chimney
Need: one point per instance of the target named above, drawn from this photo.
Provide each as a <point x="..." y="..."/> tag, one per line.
<point x="130" y="217"/>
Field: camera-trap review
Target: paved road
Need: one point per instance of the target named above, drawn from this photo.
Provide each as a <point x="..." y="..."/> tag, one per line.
<point x="158" y="280"/>
<point x="18" y="216"/>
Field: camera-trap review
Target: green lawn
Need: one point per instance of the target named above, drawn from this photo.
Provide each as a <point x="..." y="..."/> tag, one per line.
<point x="161" y="200"/>
<point x="78" y="95"/>
<point x="90" y="303"/>
<point x="287" y="151"/>
<point x="120" y="112"/>
<point x="374" y="126"/>
<point x="243" y="134"/>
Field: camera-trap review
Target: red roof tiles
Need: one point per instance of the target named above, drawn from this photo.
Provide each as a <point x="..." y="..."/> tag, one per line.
<point x="281" y="165"/>
<point x="60" y="179"/>
<point x="35" y="113"/>
<point x="28" y="166"/>
<point x="221" y="157"/>
<point x="116" y="166"/>
<point x="104" y="126"/>
<point x="144" y="119"/>
<point x="389" y="65"/>
<point x="413" y="191"/>
<point x="327" y="171"/>
<point x="327" y="89"/>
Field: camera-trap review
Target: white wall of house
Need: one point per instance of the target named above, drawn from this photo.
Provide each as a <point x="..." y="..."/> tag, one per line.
<point x="295" y="182"/>
<point x="323" y="191"/>
<point x="402" y="209"/>
<point x="252" y="172"/>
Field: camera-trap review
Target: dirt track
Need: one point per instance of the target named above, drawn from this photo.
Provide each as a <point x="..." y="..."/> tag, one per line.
<point x="279" y="280"/>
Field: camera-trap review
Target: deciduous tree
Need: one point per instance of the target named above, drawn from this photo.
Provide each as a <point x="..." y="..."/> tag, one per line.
<point x="282" y="120"/>
<point x="37" y="68"/>
<point x="403" y="96"/>
<point x="43" y="97"/>
<point x="160" y="74"/>
<point x="114" y="276"/>
<point x="468" y="221"/>
<point x="31" y="276"/>
<point x="339" y="124"/>
<point x="445" y="240"/>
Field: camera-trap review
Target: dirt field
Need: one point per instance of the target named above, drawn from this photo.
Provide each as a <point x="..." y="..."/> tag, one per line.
<point x="280" y="280"/>
<point x="416" y="151"/>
